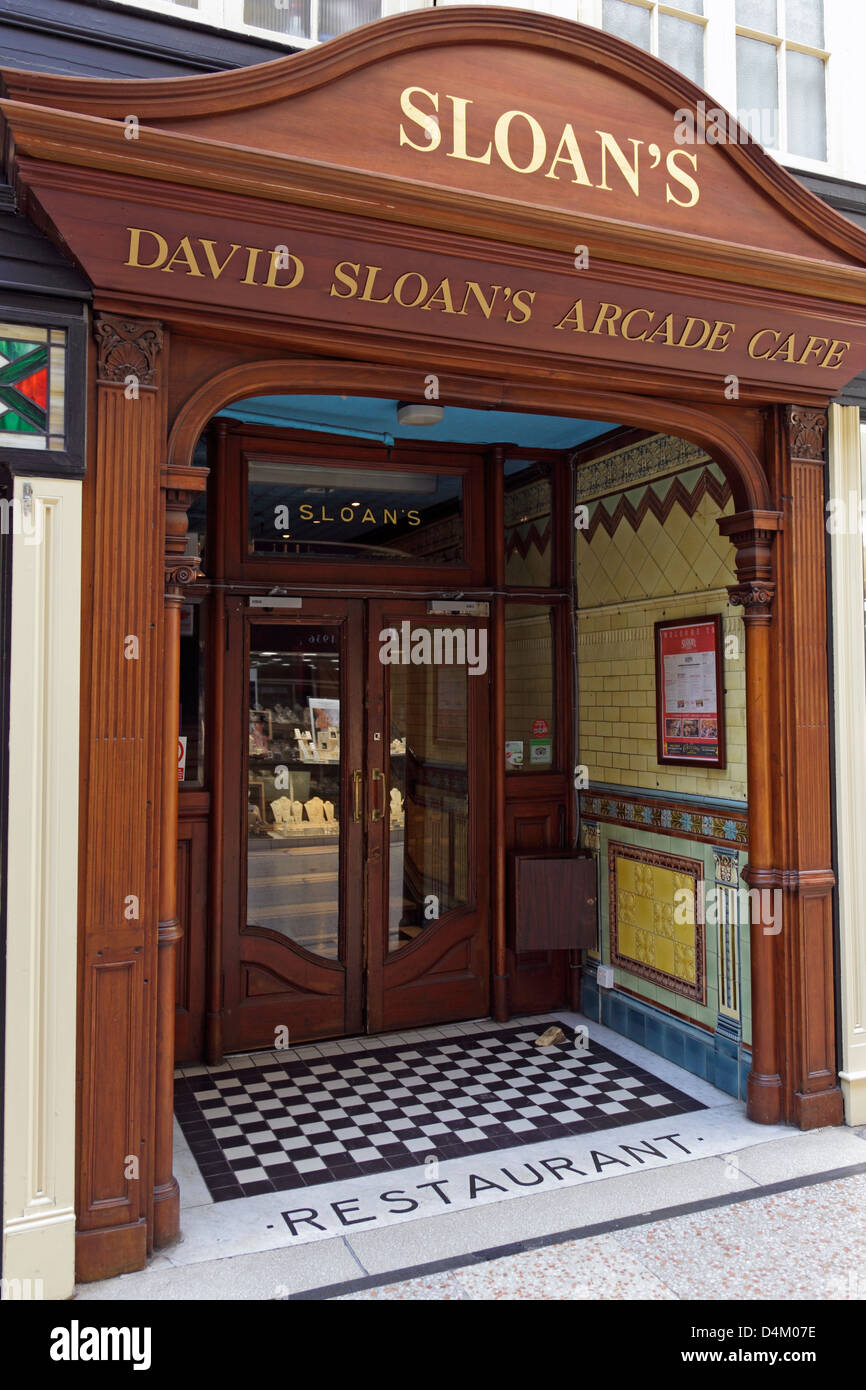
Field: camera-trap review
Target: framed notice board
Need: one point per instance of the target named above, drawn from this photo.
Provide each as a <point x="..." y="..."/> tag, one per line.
<point x="690" y="693"/>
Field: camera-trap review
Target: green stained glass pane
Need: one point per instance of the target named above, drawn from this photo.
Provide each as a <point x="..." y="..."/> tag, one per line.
<point x="11" y="421"/>
<point x="12" y="348"/>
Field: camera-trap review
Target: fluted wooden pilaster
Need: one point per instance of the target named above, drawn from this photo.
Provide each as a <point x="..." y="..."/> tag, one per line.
<point x="121" y="728"/>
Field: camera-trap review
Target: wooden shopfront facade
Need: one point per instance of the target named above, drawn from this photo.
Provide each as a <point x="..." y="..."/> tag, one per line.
<point x="492" y="212"/>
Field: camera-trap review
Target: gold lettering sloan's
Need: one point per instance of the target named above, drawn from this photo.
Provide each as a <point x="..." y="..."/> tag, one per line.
<point x="518" y="140"/>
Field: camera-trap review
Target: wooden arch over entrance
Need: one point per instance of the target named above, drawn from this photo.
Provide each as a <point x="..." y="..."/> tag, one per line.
<point x="711" y="431"/>
<point x="515" y="205"/>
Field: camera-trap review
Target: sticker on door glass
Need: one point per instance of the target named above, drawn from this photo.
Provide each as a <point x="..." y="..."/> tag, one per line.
<point x="540" y="751"/>
<point x="514" y="752"/>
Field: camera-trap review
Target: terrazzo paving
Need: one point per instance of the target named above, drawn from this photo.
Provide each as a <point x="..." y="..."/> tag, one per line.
<point x="809" y="1244"/>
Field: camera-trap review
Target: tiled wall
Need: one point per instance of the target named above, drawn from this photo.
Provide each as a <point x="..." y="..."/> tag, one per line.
<point x="649" y="550"/>
<point x="675" y="568"/>
<point x="703" y="1012"/>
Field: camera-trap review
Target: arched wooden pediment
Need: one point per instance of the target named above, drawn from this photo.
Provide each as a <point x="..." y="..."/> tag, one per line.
<point x="507" y="104"/>
<point x="604" y="210"/>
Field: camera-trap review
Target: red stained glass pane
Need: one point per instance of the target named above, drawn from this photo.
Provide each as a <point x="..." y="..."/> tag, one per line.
<point x="35" y="387"/>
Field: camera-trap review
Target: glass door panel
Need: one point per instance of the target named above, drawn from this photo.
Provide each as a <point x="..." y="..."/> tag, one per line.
<point x="355" y="883"/>
<point x="293" y="776"/>
<point x="427" y="761"/>
<point x="530" y="683"/>
<point x="428" y="802"/>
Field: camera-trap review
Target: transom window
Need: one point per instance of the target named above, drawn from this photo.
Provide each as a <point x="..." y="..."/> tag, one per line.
<point x="298" y="22"/>
<point x="674" y="33"/>
<point x="781" y="74"/>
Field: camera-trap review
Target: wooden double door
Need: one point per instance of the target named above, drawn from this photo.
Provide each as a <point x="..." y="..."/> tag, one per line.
<point x="356" y="840"/>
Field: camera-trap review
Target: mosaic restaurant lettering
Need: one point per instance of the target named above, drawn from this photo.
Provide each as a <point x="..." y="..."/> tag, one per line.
<point x="407" y="289"/>
<point x="458" y="1190"/>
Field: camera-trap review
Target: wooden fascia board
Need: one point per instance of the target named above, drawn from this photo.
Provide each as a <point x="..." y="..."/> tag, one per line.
<point x="62" y="138"/>
<point x="513" y="365"/>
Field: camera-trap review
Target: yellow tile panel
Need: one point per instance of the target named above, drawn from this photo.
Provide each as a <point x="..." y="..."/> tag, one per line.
<point x="646" y="909"/>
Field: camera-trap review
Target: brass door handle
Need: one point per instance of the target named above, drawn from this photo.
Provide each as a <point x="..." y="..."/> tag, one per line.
<point x="357" y="783"/>
<point x="378" y="776"/>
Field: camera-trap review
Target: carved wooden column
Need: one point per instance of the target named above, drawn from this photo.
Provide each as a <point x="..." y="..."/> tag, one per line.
<point x="806" y="984"/>
<point x="753" y="533"/>
<point x="783" y="590"/>
<point x="121" y="728"/>
<point x="180" y="485"/>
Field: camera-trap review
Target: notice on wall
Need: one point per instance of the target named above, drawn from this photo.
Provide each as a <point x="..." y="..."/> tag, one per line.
<point x="690" y="692"/>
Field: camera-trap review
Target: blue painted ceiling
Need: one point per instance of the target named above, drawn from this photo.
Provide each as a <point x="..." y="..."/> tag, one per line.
<point x="365" y="417"/>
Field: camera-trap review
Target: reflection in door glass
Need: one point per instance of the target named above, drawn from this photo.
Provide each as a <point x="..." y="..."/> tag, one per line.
<point x="293" y="831"/>
<point x="528" y="533"/>
<point x="428" y="797"/>
<point x="529" y="687"/>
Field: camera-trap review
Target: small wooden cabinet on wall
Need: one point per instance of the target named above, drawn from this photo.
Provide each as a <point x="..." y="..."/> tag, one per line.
<point x="553" y="901"/>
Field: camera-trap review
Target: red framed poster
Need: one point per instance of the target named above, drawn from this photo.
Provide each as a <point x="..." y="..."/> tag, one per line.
<point x="690" y="693"/>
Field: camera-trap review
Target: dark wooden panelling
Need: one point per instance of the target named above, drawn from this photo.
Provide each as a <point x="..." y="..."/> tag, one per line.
<point x="535" y="822"/>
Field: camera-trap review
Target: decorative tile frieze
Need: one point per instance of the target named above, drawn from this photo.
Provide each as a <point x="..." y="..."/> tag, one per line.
<point x="684" y="492"/>
<point x="522" y="539"/>
<point x="590" y="836"/>
<point x="639" y="463"/>
<point x="689" y="822"/>
<point x="726" y="869"/>
<point x="529" y="503"/>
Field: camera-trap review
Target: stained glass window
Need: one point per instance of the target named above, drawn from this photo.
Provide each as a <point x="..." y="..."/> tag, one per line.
<point x="32" y="387"/>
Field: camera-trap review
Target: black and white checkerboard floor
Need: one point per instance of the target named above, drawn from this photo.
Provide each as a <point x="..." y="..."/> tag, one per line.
<point x="384" y="1104"/>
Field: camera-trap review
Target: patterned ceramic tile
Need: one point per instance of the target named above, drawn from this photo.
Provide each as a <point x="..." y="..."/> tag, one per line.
<point x="648" y="935"/>
<point x="383" y="1108"/>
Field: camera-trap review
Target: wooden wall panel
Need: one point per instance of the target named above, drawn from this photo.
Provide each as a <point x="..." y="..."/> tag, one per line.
<point x="536" y="979"/>
<point x="116" y="1003"/>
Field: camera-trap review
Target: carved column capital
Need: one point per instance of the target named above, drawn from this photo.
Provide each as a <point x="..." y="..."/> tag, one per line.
<point x="126" y="348"/>
<point x="756" y="599"/>
<point x="178" y="576"/>
<point x="806" y="428"/>
<point x="753" y="534"/>
<point x="180" y="485"/>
